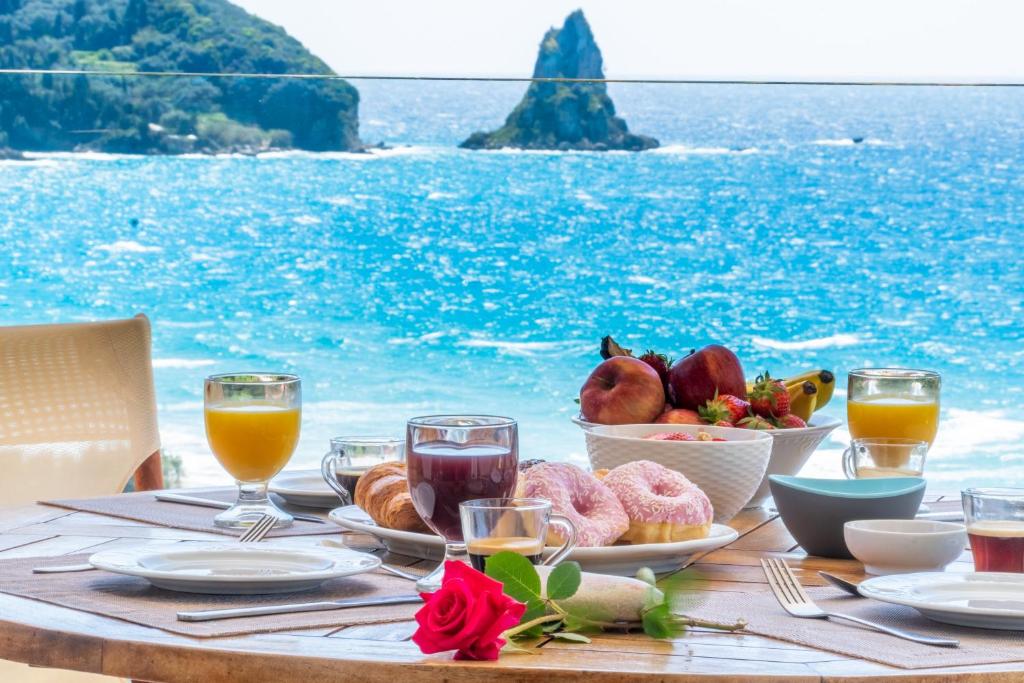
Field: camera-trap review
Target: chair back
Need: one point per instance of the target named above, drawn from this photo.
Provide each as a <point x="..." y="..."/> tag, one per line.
<point x="77" y="408"/>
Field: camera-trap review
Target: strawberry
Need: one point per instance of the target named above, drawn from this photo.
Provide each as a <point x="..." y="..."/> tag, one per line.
<point x="725" y="408"/>
<point x="790" y="421"/>
<point x="769" y="397"/>
<point x="661" y="363"/>
<point x="671" y="436"/>
<point x="755" y="422"/>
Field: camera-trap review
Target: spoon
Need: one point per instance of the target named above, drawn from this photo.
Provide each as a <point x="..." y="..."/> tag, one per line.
<point x="845" y="585"/>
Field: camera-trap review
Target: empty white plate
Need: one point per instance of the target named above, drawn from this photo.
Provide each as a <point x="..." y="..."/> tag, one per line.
<point x="235" y="569"/>
<point x="305" y="488"/>
<point x="979" y="599"/>
<point x="622" y="560"/>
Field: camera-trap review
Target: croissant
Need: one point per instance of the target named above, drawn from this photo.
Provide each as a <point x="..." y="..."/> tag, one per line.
<point x="383" y="493"/>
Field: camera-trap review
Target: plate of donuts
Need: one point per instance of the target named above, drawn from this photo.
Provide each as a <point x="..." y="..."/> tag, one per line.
<point x="619" y="559"/>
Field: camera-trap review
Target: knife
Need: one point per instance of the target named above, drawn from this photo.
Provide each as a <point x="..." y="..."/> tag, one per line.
<point x="207" y="503"/>
<point x="213" y="614"/>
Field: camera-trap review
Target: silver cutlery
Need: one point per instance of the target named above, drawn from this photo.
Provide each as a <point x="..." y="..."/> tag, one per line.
<point x="295" y="608"/>
<point x="398" y="572"/>
<point x="219" y="505"/>
<point x="841" y="584"/>
<point x="791" y="596"/>
<point x="253" y="534"/>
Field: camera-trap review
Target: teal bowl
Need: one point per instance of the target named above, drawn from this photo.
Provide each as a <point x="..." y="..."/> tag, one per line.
<point x="815" y="510"/>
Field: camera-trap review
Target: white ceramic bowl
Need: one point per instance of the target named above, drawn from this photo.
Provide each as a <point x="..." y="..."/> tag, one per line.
<point x="790" y="450"/>
<point x="727" y="471"/>
<point x="903" y="546"/>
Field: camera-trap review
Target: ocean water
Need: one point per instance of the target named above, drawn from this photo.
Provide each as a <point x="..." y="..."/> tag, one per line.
<point x="427" y="279"/>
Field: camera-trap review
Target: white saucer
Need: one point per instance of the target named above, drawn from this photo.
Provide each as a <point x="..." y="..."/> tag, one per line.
<point x="979" y="599"/>
<point x="622" y="560"/>
<point x="304" y="488"/>
<point x="235" y="568"/>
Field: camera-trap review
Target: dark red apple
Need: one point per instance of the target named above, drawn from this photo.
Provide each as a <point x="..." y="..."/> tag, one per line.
<point x="679" y="416"/>
<point x="622" y="390"/>
<point x="693" y="380"/>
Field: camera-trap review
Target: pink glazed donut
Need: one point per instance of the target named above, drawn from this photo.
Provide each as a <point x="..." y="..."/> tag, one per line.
<point x="590" y="505"/>
<point x="663" y="506"/>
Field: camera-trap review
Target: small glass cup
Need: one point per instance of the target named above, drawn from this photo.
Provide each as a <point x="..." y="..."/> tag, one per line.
<point x="519" y="525"/>
<point x="893" y="403"/>
<point x="351" y="456"/>
<point x="451" y="459"/>
<point x="882" y="457"/>
<point x="252" y="425"/>
<point x="995" y="528"/>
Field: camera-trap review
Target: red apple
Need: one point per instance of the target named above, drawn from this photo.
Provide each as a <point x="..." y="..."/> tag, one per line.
<point x="693" y="380"/>
<point x="679" y="416"/>
<point x="622" y="390"/>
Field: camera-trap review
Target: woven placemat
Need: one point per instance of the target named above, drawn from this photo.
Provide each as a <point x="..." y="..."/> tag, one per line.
<point x="144" y="507"/>
<point x="135" y="600"/>
<point x="767" y="618"/>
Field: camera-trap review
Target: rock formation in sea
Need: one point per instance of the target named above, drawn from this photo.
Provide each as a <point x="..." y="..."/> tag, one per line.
<point x="565" y="116"/>
<point x="149" y="115"/>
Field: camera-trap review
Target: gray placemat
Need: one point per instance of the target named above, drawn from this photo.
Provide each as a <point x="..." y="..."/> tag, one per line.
<point x="144" y="507"/>
<point x="135" y="600"/>
<point x="767" y="618"/>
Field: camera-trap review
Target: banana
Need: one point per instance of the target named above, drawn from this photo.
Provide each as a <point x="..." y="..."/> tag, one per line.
<point x="803" y="399"/>
<point x="824" y="380"/>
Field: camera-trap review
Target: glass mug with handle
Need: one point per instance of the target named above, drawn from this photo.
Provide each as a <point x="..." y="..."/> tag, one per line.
<point x="351" y="456"/>
<point x="518" y="525"/>
<point x="451" y="459"/>
<point x="893" y="403"/>
<point x="884" y="457"/>
<point x="252" y="425"/>
<point x="995" y="527"/>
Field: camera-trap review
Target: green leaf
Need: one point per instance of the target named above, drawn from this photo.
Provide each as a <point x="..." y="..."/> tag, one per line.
<point x="572" y="637"/>
<point x="534" y="609"/>
<point x="661" y="623"/>
<point x="510" y="646"/>
<point x="518" y="577"/>
<point x="564" y="581"/>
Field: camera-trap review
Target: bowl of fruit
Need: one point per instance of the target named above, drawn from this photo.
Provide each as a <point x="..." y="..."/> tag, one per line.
<point x="708" y="388"/>
<point x="726" y="463"/>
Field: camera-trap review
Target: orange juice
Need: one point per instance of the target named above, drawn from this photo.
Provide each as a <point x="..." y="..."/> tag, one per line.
<point x="252" y="441"/>
<point x="898" y="417"/>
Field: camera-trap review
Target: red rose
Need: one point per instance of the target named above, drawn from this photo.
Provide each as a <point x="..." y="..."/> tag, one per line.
<point x="467" y="614"/>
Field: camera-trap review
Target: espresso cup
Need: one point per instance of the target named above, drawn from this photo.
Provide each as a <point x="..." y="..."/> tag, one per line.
<point x="351" y="456"/>
<point x="518" y="525"/>
<point x="884" y="457"/>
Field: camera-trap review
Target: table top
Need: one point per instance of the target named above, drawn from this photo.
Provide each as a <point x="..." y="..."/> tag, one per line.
<point x="51" y="636"/>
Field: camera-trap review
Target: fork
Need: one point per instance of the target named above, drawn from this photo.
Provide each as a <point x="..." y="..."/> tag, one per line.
<point x="253" y="534"/>
<point x="793" y="598"/>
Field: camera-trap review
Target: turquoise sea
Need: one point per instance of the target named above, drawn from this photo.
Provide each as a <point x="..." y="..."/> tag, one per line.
<point x="424" y="278"/>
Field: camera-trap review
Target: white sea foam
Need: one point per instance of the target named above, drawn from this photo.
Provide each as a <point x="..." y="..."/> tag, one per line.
<point x="646" y="280"/>
<point x="835" y="341"/>
<point x="442" y="195"/>
<point x="182" y="363"/>
<point x="513" y="348"/>
<point x="81" y="156"/>
<point x="127" y="247"/>
<point x="849" y="142"/>
<point x="687" y="150"/>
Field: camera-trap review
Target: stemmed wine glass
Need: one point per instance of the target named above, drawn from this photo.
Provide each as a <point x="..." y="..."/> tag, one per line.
<point x="452" y="459"/>
<point x="252" y="425"/>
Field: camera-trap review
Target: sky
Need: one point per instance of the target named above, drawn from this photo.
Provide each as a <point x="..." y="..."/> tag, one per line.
<point x="799" y="39"/>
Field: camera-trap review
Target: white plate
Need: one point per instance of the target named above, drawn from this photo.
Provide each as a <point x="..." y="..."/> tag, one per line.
<point x="980" y="599"/>
<point x="623" y="560"/>
<point x="305" y="488"/>
<point x="235" y="568"/>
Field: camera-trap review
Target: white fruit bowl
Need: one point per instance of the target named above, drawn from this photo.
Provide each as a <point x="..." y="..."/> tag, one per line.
<point x="729" y="472"/>
<point x="790" y="450"/>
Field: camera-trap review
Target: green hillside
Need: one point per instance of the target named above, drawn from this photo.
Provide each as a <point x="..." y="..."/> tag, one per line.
<point x="163" y="115"/>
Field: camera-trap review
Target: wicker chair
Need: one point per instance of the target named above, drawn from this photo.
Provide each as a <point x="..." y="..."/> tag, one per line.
<point x="77" y="419"/>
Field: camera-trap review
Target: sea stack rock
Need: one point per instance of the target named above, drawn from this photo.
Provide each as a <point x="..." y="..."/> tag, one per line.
<point x="565" y="116"/>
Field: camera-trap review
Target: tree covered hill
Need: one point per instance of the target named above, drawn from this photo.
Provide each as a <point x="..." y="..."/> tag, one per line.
<point x="163" y="115"/>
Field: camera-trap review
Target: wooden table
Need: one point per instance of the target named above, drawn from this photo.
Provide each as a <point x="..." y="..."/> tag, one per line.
<point x="51" y="636"/>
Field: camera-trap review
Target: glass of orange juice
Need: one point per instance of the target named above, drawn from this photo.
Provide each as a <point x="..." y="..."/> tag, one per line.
<point x="252" y="425"/>
<point x="893" y="403"/>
